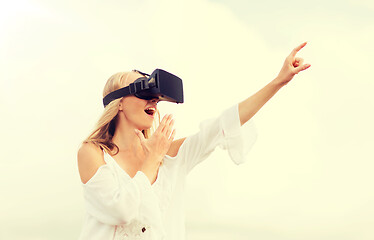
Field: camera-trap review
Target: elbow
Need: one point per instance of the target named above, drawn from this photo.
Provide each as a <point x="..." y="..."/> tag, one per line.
<point x="123" y="218"/>
<point x="114" y="212"/>
<point x="124" y="212"/>
<point x="115" y="216"/>
<point x="127" y="215"/>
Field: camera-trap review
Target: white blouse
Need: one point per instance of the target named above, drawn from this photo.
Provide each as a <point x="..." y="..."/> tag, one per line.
<point x="121" y="207"/>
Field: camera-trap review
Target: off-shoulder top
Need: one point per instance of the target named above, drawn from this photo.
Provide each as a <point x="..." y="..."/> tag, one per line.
<point x="119" y="207"/>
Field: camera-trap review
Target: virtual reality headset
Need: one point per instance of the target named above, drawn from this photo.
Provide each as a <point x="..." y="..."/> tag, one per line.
<point x="160" y="84"/>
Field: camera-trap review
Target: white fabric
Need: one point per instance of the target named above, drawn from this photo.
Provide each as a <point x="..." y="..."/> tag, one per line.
<point x="121" y="207"/>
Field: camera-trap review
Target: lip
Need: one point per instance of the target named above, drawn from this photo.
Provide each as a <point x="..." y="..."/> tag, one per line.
<point x="151" y="116"/>
<point x="149" y="106"/>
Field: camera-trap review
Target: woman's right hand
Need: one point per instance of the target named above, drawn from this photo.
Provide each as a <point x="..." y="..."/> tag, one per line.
<point x="156" y="147"/>
<point x="292" y="66"/>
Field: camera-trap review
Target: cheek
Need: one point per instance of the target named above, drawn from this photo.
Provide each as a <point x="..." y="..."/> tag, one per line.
<point x="132" y="110"/>
<point x="134" y="106"/>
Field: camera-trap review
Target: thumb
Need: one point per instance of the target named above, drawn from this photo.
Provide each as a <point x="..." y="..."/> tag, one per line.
<point x="140" y="135"/>
<point x="302" y="68"/>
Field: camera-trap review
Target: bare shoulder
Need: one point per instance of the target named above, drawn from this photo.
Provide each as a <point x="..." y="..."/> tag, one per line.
<point x="90" y="157"/>
<point x="174" y="147"/>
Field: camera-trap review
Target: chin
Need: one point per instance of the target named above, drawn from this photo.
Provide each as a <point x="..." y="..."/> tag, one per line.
<point x="146" y="127"/>
<point x="145" y="123"/>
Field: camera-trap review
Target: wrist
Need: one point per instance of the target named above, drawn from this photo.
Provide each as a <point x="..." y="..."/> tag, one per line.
<point x="151" y="163"/>
<point x="153" y="158"/>
<point x="279" y="82"/>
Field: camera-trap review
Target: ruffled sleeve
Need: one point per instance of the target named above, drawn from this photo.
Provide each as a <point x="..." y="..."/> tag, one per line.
<point x="116" y="201"/>
<point x="224" y="131"/>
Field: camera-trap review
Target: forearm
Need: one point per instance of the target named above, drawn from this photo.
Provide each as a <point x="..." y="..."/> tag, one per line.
<point x="250" y="106"/>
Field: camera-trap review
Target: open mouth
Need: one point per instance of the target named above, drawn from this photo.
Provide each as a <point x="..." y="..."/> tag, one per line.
<point x="150" y="111"/>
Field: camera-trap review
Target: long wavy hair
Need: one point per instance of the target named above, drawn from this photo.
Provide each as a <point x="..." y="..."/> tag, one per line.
<point x="104" y="130"/>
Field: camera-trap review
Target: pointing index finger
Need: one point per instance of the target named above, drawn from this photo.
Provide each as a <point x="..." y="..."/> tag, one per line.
<point x="296" y="49"/>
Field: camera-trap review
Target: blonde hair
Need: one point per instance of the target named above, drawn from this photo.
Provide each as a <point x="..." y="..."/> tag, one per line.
<point x="104" y="130"/>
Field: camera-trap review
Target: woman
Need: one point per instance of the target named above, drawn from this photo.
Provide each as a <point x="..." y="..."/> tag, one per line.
<point x="133" y="177"/>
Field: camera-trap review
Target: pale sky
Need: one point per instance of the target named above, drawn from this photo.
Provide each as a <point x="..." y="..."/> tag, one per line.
<point x="309" y="175"/>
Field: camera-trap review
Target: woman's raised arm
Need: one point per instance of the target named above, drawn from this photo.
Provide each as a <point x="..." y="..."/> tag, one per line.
<point x="292" y="66"/>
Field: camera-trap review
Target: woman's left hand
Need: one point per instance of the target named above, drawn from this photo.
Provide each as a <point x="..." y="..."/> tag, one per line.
<point x="292" y="66"/>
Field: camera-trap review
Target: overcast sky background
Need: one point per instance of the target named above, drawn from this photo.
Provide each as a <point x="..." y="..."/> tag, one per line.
<point x="309" y="176"/>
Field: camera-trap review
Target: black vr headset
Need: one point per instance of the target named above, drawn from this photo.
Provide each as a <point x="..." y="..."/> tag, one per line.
<point x="160" y="84"/>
